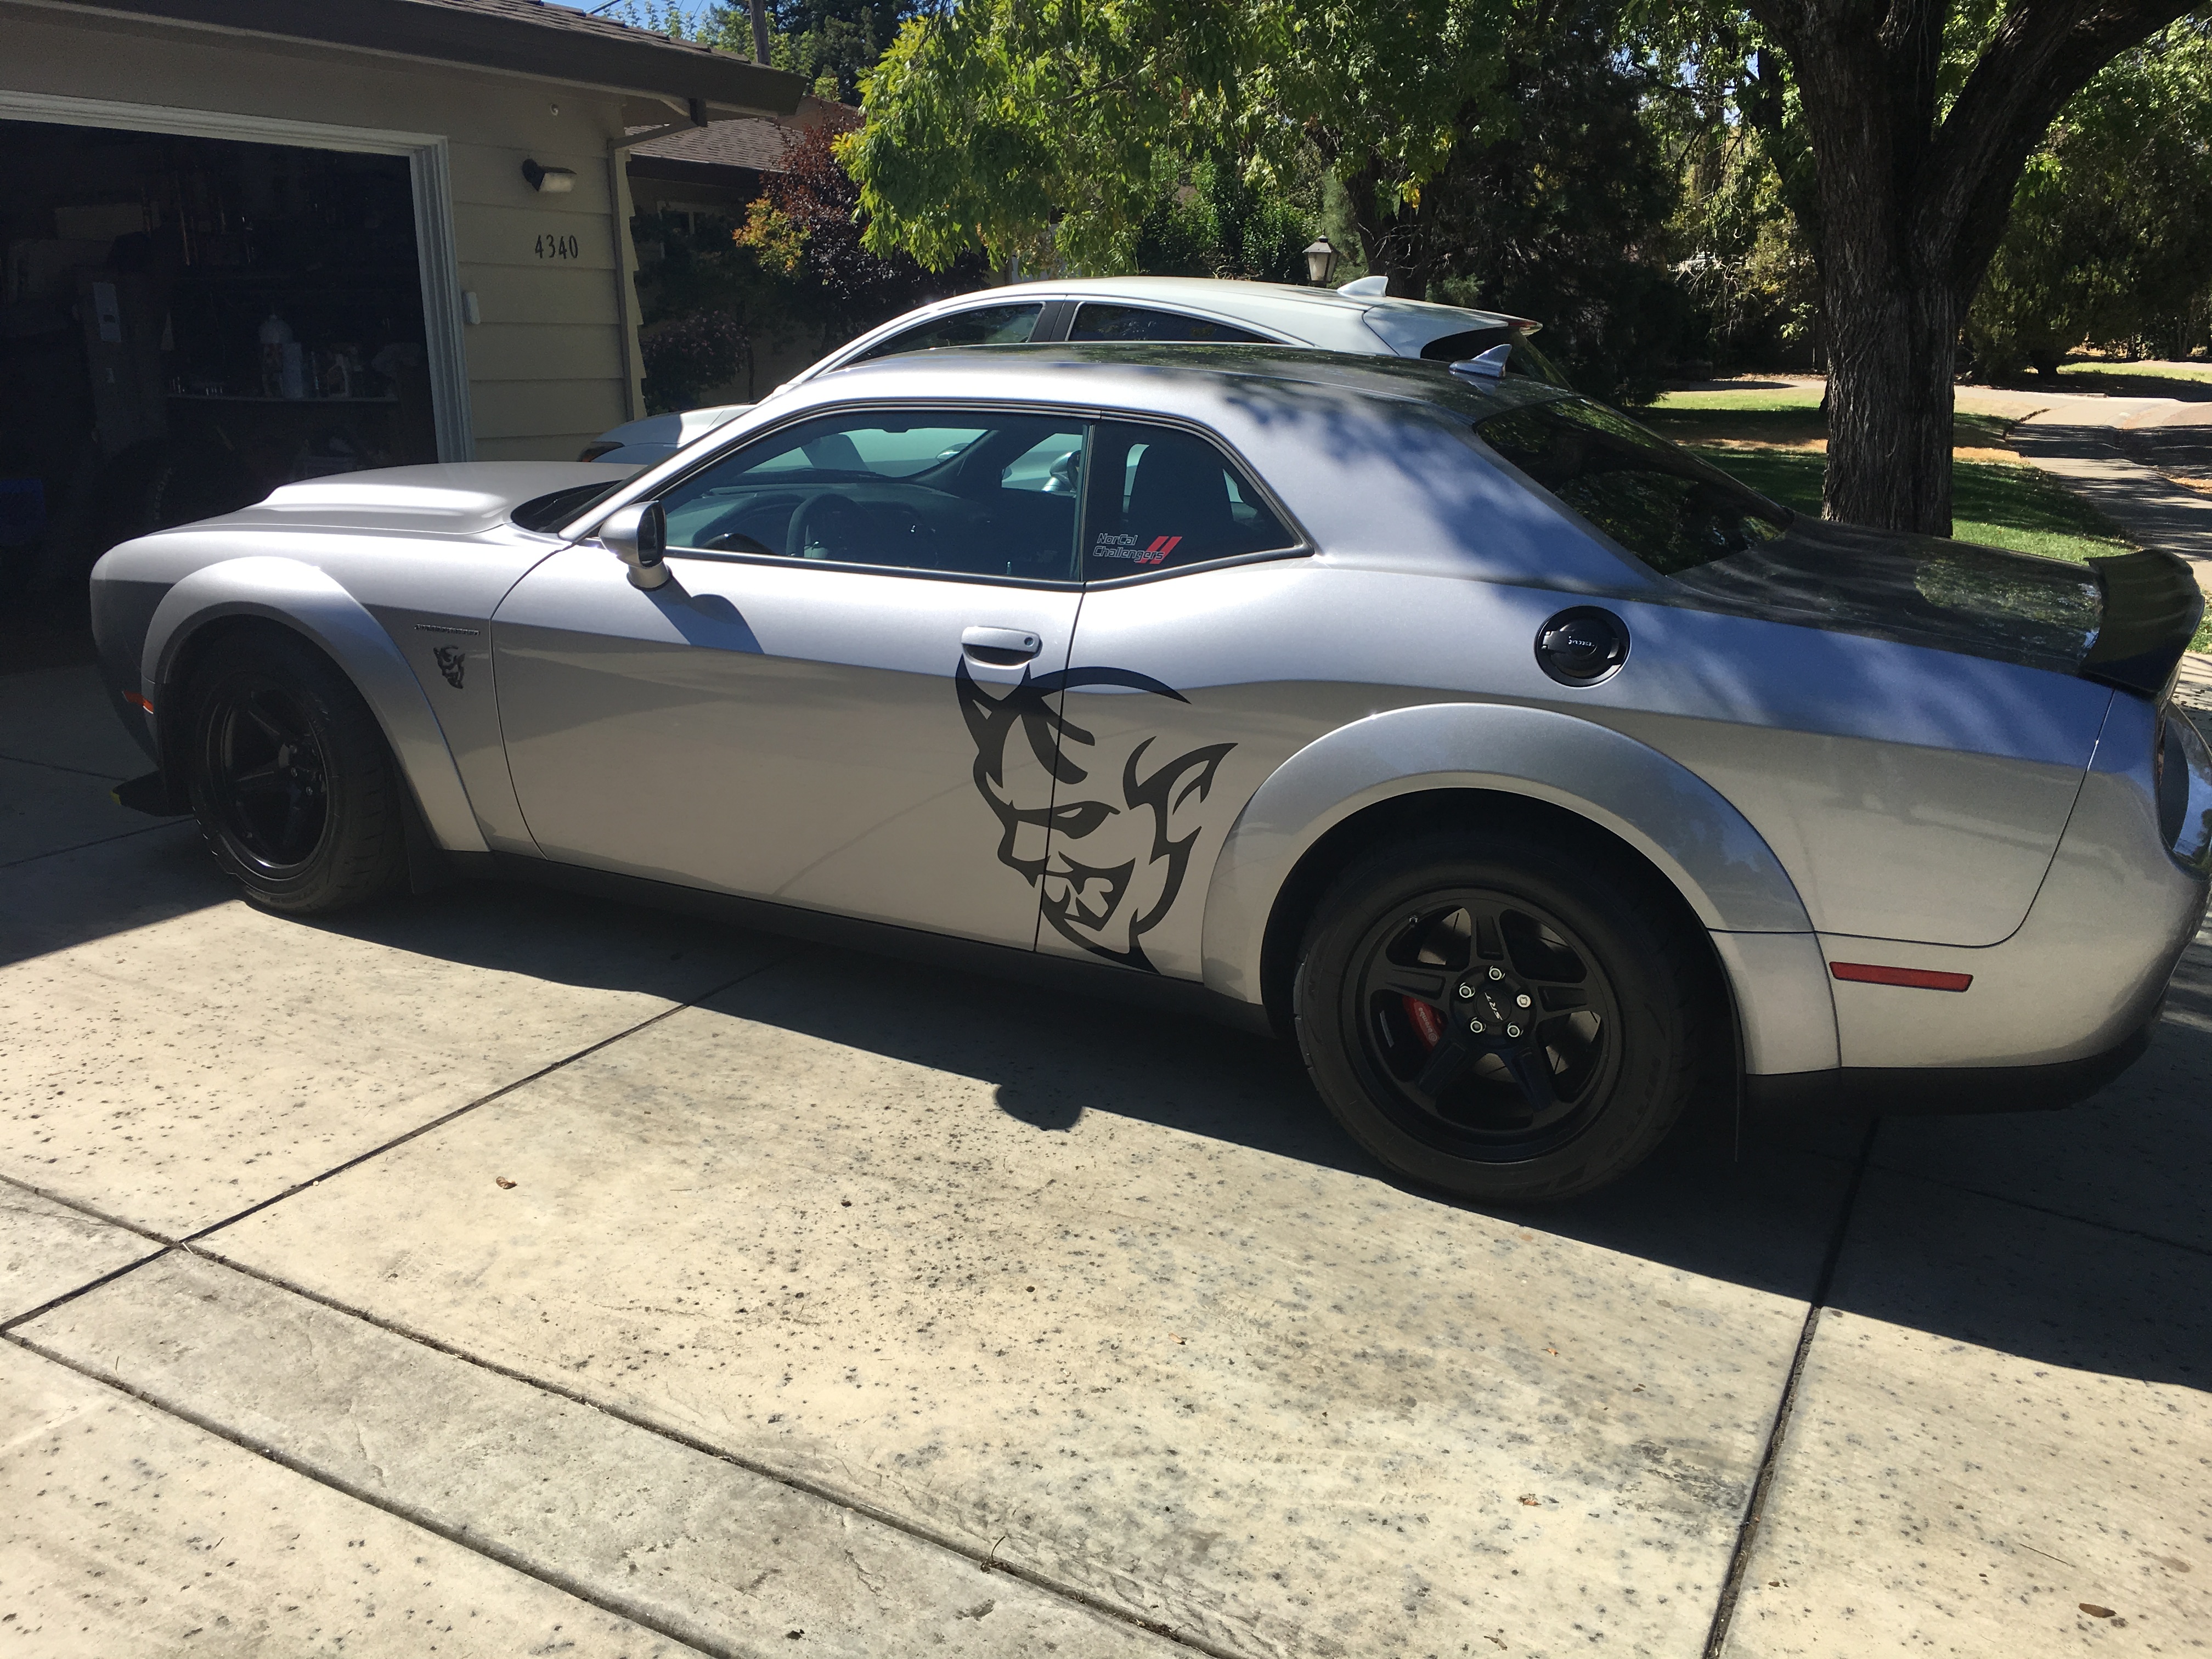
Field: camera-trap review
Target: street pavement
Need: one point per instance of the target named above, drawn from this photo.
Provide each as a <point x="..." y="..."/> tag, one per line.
<point x="495" y="1272"/>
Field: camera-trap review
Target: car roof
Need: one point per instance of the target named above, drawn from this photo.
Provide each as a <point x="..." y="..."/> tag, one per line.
<point x="1316" y="317"/>
<point x="1129" y="374"/>
<point x="1247" y="298"/>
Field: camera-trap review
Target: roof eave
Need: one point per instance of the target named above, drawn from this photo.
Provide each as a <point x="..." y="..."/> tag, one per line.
<point x="724" y="84"/>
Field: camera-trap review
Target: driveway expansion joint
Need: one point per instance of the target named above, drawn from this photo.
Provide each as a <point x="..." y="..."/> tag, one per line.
<point x="55" y="766"/>
<point x="1755" y="1510"/>
<point x="645" y="1617"/>
<point x="466" y="1107"/>
<point x="103" y="841"/>
<point x="986" y="1560"/>
<point x="2043" y="1209"/>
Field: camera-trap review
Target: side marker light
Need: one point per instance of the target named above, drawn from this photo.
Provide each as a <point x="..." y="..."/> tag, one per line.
<point x="142" y="703"/>
<point x="1918" y="978"/>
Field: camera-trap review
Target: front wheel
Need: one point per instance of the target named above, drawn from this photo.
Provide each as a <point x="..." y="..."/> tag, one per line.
<point x="289" y="777"/>
<point x="1509" y="1020"/>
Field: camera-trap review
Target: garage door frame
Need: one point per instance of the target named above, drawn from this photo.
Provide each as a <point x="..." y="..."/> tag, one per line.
<point x="428" y="172"/>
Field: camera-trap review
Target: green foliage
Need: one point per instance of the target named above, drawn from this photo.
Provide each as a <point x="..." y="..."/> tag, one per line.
<point x="1047" y="128"/>
<point x="1547" y="210"/>
<point x="2110" y="238"/>
<point x="803" y="230"/>
<point x="689" y="356"/>
<point x="1742" y="241"/>
<point x="832" y="43"/>
<point x="1217" y="223"/>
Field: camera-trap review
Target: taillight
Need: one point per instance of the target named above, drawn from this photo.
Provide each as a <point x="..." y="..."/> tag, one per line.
<point x="593" y="451"/>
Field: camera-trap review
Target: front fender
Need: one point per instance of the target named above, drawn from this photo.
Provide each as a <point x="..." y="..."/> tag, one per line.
<point x="1720" y="864"/>
<point x="311" y="601"/>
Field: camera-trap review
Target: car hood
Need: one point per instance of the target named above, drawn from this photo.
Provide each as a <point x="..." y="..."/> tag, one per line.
<point x="2122" y="621"/>
<point x="463" y="499"/>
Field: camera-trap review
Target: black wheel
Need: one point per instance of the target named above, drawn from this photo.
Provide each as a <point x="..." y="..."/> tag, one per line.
<point x="290" y="779"/>
<point x="1505" y="1019"/>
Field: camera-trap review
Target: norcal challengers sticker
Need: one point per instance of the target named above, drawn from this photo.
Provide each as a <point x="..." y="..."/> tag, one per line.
<point x="1111" y="546"/>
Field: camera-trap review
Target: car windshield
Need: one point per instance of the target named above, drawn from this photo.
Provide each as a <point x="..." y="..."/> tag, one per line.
<point x="1665" y="506"/>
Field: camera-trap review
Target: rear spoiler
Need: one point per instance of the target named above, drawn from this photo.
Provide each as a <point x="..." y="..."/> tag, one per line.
<point x="2151" y="609"/>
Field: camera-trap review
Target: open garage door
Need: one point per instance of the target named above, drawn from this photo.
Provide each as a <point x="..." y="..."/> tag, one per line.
<point x="189" y="321"/>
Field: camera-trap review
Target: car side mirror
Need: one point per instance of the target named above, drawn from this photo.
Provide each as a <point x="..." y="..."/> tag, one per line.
<point x="638" y="535"/>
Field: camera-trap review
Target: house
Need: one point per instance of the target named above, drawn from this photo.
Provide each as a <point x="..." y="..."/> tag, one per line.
<point x="248" y="241"/>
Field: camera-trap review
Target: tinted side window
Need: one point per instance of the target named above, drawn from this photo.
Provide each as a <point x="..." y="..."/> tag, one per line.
<point x="970" y="491"/>
<point x="985" y="326"/>
<point x="1666" y="507"/>
<point x="1097" y="322"/>
<point x="1161" y="498"/>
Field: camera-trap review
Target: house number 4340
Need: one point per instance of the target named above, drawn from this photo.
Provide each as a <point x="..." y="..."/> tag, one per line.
<point x="559" y="247"/>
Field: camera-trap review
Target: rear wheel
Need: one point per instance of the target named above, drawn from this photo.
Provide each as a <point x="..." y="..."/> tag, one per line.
<point x="290" y="779"/>
<point x="1505" y="1019"/>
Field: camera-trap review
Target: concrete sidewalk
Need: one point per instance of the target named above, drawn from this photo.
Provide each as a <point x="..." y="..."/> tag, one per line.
<point x="2152" y="509"/>
<point x="500" y="1272"/>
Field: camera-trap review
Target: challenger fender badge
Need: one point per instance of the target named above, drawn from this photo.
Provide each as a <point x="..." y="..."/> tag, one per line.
<point x="452" y="663"/>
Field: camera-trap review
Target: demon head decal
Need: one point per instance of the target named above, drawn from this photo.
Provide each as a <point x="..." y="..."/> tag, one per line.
<point x="1105" y="836"/>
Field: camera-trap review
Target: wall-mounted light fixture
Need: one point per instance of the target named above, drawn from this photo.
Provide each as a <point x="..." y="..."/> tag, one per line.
<point x="554" y="181"/>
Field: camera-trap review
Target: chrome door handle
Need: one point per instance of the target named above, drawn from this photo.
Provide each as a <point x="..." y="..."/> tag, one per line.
<point x="1002" y="647"/>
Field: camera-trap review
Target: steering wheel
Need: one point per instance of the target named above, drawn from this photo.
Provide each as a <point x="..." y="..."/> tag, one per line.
<point x="835" y="525"/>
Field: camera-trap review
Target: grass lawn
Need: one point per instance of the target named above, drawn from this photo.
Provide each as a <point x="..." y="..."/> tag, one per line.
<point x="2195" y="376"/>
<point x="1718" y="422"/>
<point x="1757" y="394"/>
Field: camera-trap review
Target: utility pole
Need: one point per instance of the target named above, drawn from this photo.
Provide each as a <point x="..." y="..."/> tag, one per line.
<point x="760" y="30"/>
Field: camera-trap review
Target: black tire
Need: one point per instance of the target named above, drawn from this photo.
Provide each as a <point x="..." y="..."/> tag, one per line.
<point x="1621" y="1001"/>
<point x="289" y="777"/>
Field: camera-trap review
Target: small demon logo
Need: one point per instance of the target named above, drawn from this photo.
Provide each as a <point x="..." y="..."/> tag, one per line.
<point x="452" y="663"/>
<point x="1108" y="869"/>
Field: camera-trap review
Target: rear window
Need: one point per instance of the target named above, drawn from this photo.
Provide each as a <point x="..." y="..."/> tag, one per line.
<point x="1668" y="509"/>
<point x="1160" y="499"/>
<point x="1101" y="322"/>
<point x="983" y="325"/>
<point x="1474" y="342"/>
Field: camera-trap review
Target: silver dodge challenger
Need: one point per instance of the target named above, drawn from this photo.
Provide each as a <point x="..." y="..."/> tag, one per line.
<point x="1532" y="773"/>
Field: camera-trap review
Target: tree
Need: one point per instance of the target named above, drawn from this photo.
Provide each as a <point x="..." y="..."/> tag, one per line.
<point x="1918" y="159"/>
<point x="833" y="43"/>
<point x="1038" y="127"/>
<point x="2109" y="240"/>
<point x="1548" y="210"/>
<point x="803" y="228"/>
<point x="1214" y="221"/>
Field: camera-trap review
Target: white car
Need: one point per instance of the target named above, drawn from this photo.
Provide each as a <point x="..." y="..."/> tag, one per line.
<point x="1356" y="317"/>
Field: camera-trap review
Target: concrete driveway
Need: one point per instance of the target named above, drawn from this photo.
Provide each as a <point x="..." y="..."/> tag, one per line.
<point x="500" y="1272"/>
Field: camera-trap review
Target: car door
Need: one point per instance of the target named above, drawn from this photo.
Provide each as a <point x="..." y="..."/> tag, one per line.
<point x="1174" y="709"/>
<point x="795" y="715"/>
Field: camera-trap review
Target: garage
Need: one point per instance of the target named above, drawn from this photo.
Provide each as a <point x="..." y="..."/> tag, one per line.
<point x="193" y="322"/>
<point x="244" y="243"/>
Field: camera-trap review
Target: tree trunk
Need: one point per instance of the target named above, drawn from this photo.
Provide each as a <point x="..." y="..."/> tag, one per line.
<point x="1911" y="207"/>
<point x="1893" y="339"/>
<point x="1399" y="248"/>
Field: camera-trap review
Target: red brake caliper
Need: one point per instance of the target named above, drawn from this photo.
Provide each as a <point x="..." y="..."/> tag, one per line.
<point x="1429" y="1022"/>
